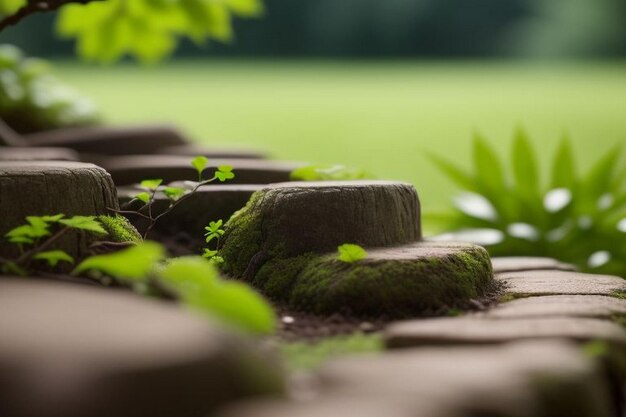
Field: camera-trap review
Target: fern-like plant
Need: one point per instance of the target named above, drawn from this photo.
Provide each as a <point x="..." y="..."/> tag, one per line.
<point x="506" y="207"/>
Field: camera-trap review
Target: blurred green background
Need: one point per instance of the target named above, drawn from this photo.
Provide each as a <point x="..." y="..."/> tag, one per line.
<point x="377" y="84"/>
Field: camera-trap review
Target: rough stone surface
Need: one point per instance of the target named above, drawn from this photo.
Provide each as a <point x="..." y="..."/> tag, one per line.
<point x="471" y="330"/>
<point x="525" y="263"/>
<point x="132" y="169"/>
<point x="213" y="152"/>
<point x="36" y="188"/>
<point x="419" y="278"/>
<point x="208" y="203"/>
<point x="109" y="140"/>
<point x="73" y="351"/>
<point x="541" y="379"/>
<point x="591" y="306"/>
<point x="295" y="218"/>
<point x="38" y="154"/>
<point x="530" y="283"/>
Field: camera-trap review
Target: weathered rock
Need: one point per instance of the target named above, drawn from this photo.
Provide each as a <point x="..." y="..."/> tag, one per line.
<point x="208" y="203"/>
<point x="519" y="380"/>
<point x="73" y="351"/>
<point x="526" y="263"/>
<point x="135" y="168"/>
<point x="109" y="140"/>
<point x="419" y="278"/>
<point x="37" y="154"/>
<point x="472" y="330"/>
<point x="291" y="219"/>
<point x="592" y="306"/>
<point x="34" y="188"/>
<point x="211" y="152"/>
<point x="523" y="379"/>
<point x="530" y="283"/>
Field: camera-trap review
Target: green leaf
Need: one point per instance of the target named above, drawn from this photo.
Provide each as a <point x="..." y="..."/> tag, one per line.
<point x="457" y="175"/>
<point x="174" y="193"/>
<point x="199" y="163"/>
<point x="196" y="281"/>
<point x="600" y="177"/>
<point x="143" y="197"/>
<point x="525" y="169"/>
<point x="13" y="268"/>
<point x="350" y="253"/>
<point x="134" y="263"/>
<point x="487" y="166"/>
<point x="87" y="223"/>
<point x="53" y="257"/>
<point x="215" y="226"/>
<point x="208" y="253"/>
<point x="563" y="166"/>
<point x="151" y="185"/>
<point x="224" y="172"/>
<point x="52" y="219"/>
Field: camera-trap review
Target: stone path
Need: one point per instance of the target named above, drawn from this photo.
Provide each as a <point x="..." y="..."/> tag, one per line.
<point x="552" y="282"/>
<point x="73" y="351"/>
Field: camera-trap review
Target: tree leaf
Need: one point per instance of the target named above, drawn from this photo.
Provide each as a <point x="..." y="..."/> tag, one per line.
<point x="457" y="175"/>
<point x="151" y="185"/>
<point x="524" y="164"/>
<point x="53" y="257"/>
<point x="174" y="193"/>
<point x="351" y="253"/>
<point x="224" y="172"/>
<point x="563" y="166"/>
<point x="87" y="223"/>
<point x="134" y="263"/>
<point x="199" y="163"/>
<point x="488" y="167"/>
<point x="144" y="197"/>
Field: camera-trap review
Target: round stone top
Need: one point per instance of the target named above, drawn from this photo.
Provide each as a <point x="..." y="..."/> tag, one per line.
<point x="37" y="154"/>
<point x="417" y="250"/>
<point x="26" y="166"/>
<point x="336" y="184"/>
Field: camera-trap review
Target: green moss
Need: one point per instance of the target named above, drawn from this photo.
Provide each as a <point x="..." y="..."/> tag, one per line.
<point x="119" y="229"/>
<point x="619" y="294"/>
<point x="301" y="356"/>
<point x="393" y="287"/>
<point x="278" y="276"/>
<point x="243" y="236"/>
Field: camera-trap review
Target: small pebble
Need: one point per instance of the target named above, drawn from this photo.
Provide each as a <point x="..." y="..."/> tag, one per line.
<point x="366" y="327"/>
<point x="288" y="320"/>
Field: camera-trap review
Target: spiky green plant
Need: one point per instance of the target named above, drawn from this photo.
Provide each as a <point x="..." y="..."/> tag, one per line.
<point x="574" y="217"/>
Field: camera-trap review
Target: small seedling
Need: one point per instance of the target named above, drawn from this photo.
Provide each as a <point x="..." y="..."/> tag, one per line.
<point x="175" y="195"/>
<point x="214" y="232"/>
<point x="350" y="253"/>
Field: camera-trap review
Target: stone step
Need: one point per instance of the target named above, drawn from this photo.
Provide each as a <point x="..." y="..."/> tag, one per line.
<point x="37" y="154"/>
<point x="208" y="203"/>
<point x="518" y="380"/>
<point x="210" y="152"/>
<point x="553" y="282"/>
<point x="69" y="350"/>
<point x="135" y="168"/>
<point x="108" y="140"/>
<point x="591" y="306"/>
<point x="527" y="263"/>
<point x="35" y="188"/>
<point x="414" y="279"/>
<point x="474" y="330"/>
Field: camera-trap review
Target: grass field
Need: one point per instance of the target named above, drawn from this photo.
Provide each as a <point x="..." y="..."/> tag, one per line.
<point x="379" y="116"/>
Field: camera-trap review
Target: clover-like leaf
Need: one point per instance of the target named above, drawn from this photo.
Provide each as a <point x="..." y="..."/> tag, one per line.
<point x="151" y="184"/>
<point x="208" y="253"/>
<point x="143" y="197"/>
<point x="199" y="163"/>
<point x="53" y="257"/>
<point x="224" y="172"/>
<point x="134" y="263"/>
<point x="86" y="223"/>
<point x="350" y="253"/>
<point x="174" y="193"/>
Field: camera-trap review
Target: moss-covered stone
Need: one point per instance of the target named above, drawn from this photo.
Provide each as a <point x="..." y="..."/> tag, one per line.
<point x="426" y="278"/>
<point x="119" y="229"/>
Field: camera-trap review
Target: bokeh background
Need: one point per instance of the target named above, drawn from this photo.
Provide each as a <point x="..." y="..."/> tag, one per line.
<point x="378" y="84"/>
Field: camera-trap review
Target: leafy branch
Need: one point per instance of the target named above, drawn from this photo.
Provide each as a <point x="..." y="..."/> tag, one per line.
<point x="175" y="195"/>
<point x="36" y="6"/>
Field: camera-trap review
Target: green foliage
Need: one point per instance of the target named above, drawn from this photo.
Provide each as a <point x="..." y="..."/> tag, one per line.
<point x="573" y="217"/>
<point x="151" y="185"/>
<point x="192" y="279"/>
<point x="328" y="173"/>
<point x="148" y="30"/>
<point x="214" y="232"/>
<point x="224" y="173"/>
<point x="87" y="223"/>
<point x="31" y="99"/>
<point x="134" y="263"/>
<point x="173" y="193"/>
<point x="199" y="163"/>
<point x="143" y="197"/>
<point x="53" y="257"/>
<point x="351" y="253"/>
